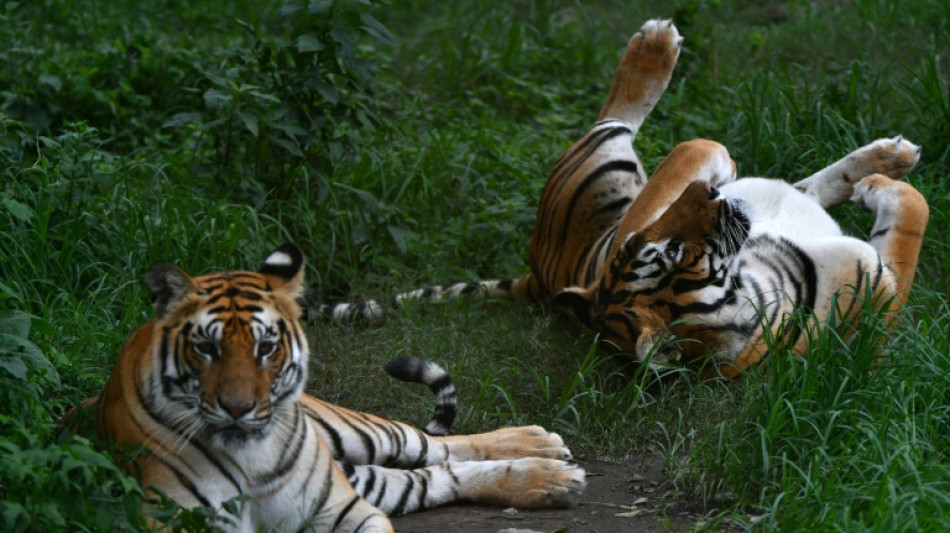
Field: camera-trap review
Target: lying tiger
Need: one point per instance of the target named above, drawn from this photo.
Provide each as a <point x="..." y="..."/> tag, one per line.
<point x="209" y="396"/>
<point x="638" y="261"/>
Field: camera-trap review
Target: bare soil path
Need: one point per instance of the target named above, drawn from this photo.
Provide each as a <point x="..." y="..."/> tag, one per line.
<point x="620" y="497"/>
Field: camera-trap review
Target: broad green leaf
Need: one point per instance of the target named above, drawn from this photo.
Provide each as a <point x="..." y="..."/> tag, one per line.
<point x="11" y="292"/>
<point x="317" y="7"/>
<point x="250" y="121"/>
<point x="11" y="343"/>
<point x="399" y="236"/>
<point x="376" y="28"/>
<point x="180" y="119"/>
<point x="19" y="210"/>
<point x="16" y="323"/>
<point x="13" y="365"/>
<point x="216" y="99"/>
<point x="286" y="145"/>
<point x="53" y="81"/>
<point x="308" y="43"/>
<point x="42" y="326"/>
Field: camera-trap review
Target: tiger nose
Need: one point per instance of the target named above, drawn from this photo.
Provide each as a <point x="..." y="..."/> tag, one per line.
<point x="237" y="408"/>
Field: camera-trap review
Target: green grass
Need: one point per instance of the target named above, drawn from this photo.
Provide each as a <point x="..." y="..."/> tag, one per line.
<point x="203" y="134"/>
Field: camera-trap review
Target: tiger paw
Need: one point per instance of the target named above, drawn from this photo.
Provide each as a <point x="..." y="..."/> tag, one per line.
<point x="644" y="72"/>
<point x="509" y="443"/>
<point x="893" y="158"/>
<point x="881" y="194"/>
<point x="530" y="483"/>
<point x="655" y="48"/>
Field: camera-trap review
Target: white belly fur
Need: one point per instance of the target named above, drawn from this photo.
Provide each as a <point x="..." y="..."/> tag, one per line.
<point x="777" y="208"/>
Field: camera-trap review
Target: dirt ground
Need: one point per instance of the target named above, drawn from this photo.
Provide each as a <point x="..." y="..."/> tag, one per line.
<point x="627" y="497"/>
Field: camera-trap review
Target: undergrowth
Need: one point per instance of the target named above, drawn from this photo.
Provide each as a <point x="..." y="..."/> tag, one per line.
<point x="406" y="143"/>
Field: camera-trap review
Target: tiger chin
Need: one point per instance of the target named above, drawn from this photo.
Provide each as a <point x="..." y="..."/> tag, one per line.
<point x="209" y="398"/>
<point x="644" y="261"/>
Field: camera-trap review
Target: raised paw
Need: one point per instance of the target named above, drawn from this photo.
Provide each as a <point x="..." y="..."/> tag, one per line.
<point x="881" y="194"/>
<point x="656" y="45"/>
<point x="893" y="158"/>
<point x="901" y="214"/>
<point x="644" y="72"/>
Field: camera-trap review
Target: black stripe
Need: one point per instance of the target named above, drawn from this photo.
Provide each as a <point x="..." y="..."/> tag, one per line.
<point x="359" y="527"/>
<point x="469" y="288"/>
<point x="326" y="485"/>
<point x="620" y="165"/>
<point x="286" y="464"/>
<point x="406" y="492"/>
<point x="594" y="134"/>
<point x="211" y="458"/>
<point x="281" y="270"/>
<point x="424" y="480"/>
<point x="559" y="177"/>
<point x="185" y="482"/>
<point x="370" y="482"/>
<point x="620" y="204"/>
<point x="383" y="488"/>
<point x="368" y="443"/>
<point x="422" y="459"/>
<point x="345" y="511"/>
<point x="337" y="443"/>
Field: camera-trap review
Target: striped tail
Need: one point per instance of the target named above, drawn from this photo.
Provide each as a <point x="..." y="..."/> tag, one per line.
<point x="523" y="289"/>
<point x="415" y="370"/>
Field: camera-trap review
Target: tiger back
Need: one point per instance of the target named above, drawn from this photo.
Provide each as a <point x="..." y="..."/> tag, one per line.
<point x="208" y="398"/>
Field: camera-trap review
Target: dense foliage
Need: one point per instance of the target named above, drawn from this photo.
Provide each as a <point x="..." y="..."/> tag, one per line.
<point x="407" y="142"/>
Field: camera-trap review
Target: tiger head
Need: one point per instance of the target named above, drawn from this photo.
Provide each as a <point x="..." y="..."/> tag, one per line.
<point x="676" y="265"/>
<point x="230" y="352"/>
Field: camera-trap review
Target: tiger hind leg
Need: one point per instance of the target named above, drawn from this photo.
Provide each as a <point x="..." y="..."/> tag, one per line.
<point x="835" y="184"/>
<point x="689" y="161"/>
<point x="643" y="73"/>
<point x="901" y="215"/>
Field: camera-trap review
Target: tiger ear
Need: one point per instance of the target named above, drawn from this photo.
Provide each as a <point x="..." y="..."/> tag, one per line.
<point x="630" y="245"/>
<point x="575" y="302"/>
<point x="285" y="267"/>
<point x="168" y="285"/>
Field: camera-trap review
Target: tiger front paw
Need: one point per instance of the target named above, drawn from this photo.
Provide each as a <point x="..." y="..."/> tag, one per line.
<point x="529" y="483"/>
<point x="893" y="158"/>
<point x="540" y="483"/>
<point x="518" y="442"/>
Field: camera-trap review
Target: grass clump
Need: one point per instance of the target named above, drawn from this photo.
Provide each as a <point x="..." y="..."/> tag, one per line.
<point x="407" y="143"/>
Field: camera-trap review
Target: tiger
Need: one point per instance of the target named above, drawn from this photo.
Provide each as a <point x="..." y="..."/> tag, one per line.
<point x="208" y="396"/>
<point x="639" y="260"/>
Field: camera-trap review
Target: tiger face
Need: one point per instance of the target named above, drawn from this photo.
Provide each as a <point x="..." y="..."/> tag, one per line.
<point x="662" y="271"/>
<point x="231" y="351"/>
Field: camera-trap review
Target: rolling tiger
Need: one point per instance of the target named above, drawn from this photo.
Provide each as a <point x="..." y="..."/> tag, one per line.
<point x="209" y="398"/>
<point x="638" y="260"/>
